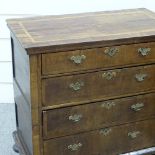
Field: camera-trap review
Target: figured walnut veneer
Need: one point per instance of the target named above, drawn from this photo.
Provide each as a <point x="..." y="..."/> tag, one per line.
<point x="84" y="84"/>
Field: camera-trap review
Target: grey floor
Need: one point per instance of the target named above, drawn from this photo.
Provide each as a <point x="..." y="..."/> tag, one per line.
<point x="7" y="126"/>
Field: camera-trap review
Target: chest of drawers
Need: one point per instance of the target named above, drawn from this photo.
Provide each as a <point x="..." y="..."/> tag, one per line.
<point x="84" y="84"/>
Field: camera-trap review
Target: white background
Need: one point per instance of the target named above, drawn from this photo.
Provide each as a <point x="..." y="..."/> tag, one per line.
<point x="22" y="8"/>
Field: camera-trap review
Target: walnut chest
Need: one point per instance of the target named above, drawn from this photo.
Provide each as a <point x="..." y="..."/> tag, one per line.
<point x="84" y="84"/>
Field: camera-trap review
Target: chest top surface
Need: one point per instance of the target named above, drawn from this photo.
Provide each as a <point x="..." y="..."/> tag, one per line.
<point x="79" y="30"/>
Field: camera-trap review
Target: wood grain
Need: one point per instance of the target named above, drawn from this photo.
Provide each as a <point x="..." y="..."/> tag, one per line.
<point x="21" y="68"/>
<point x="57" y="91"/>
<point x="26" y="91"/>
<point x="115" y="142"/>
<point x="127" y="55"/>
<point x="35" y="72"/>
<point x="24" y="118"/>
<point x="49" y="87"/>
<point x="83" y="30"/>
<point x="56" y="123"/>
<point x="22" y="93"/>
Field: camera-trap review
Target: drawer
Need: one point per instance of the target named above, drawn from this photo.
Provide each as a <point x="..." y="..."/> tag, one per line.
<point x="97" y="58"/>
<point x="106" y="141"/>
<point x="71" y="120"/>
<point x="90" y="87"/>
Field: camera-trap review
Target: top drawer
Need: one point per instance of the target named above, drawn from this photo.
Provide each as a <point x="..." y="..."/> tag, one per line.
<point x="97" y="58"/>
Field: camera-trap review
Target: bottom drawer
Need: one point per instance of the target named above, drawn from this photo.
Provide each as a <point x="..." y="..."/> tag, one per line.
<point x="107" y="141"/>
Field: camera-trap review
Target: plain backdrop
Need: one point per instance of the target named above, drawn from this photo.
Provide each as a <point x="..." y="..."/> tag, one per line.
<point x="69" y="6"/>
<point x="23" y="8"/>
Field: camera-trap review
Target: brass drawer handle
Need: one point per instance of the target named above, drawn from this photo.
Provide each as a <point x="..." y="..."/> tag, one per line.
<point x="74" y="147"/>
<point x="140" y="77"/>
<point x="78" y="59"/>
<point x="137" y="106"/>
<point x="76" y="86"/>
<point x="109" y="75"/>
<point x="133" y="134"/>
<point x="111" y="51"/>
<point x="108" y="105"/>
<point x="144" y="51"/>
<point x="75" y="118"/>
<point x="105" y="131"/>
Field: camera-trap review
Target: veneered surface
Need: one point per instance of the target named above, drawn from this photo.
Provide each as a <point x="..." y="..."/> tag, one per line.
<point x="81" y="30"/>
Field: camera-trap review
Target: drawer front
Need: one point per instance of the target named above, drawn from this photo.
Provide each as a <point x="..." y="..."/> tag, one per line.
<point x="95" y="86"/>
<point x="90" y="59"/>
<point x="108" y="141"/>
<point x="71" y="120"/>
